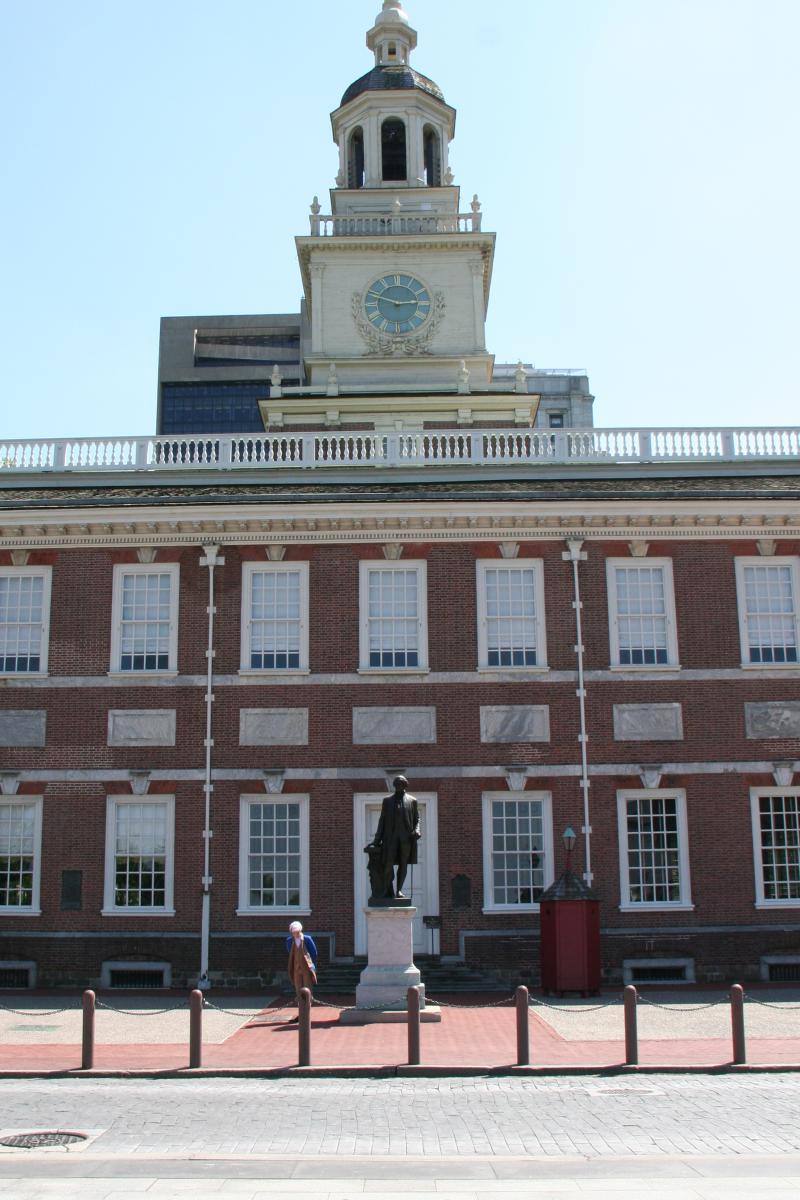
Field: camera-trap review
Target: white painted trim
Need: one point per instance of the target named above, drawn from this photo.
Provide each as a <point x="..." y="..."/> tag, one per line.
<point x="110" y="909"/>
<point x="34" y="908"/>
<point x="756" y="794"/>
<point x="740" y="565"/>
<point x="546" y="799"/>
<point x="126" y="964"/>
<point x="685" y="902"/>
<point x="629" y="965"/>
<point x="120" y="571"/>
<point x="244" y="908"/>
<point x="366" y="567"/>
<point x="21" y="964"/>
<point x="249" y="569"/>
<point x="766" y="961"/>
<point x="430" y="800"/>
<point x="536" y="565"/>
<point x="47" y="576"/>
<point x="634" y="564"/>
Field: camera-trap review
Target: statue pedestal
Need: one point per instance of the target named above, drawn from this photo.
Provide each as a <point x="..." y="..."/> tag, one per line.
<point x="390" y="970"/>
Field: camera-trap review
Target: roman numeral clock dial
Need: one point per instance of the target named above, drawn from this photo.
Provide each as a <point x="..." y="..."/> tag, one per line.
<point x="397" y="304"/>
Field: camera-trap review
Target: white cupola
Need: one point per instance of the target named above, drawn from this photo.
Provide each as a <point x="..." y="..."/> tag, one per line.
<point x="391" y="38"/>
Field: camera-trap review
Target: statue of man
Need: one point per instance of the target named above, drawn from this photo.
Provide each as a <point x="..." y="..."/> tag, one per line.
<point x="396" y="838"/>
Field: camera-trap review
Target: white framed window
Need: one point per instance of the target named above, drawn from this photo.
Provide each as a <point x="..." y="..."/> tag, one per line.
<point x="273" y="854"/>
<point x="511" y="631"/>
<point x="653" y="849"/>
<point x="20" y="855"/>
<point x="140" y="856"/>
<point x="393" y="607"/>
<point x="24" y="619"/>
<point x="517" y="850"/>
<point x="776" y="846"/>
<point x="641" y="612"/>
<point x="144" y="618"/>
<point x="274" y="617"/>
<point x="769" y="622"/>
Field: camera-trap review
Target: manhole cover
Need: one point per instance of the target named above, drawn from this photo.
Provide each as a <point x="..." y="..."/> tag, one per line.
<point x="34" y="1141"/>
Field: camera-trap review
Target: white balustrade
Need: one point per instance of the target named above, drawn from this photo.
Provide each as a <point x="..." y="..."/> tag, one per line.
<point x="371" y="225"/>
<point x="469" y="447"/>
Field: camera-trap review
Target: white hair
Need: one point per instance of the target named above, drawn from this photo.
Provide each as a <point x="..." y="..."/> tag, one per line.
<point x="295" y="927"/>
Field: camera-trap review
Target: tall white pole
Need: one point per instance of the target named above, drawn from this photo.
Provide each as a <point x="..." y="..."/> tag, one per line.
<point x="574" y="554"/>
<point x="211" y="560"/>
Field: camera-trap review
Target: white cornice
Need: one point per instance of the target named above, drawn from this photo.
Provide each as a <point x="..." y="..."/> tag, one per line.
<point x="312" y="522"/>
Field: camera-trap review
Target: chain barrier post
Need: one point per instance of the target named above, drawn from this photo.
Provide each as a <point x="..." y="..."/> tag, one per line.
<point x="304" y="1028"/>
<point x="523" y="1028"/>
<point x="737" y="1024"/>
<point x="414" y="1041"/>
<point x="87" y="1041"/>
<point x="195" y="1029"/>
<point x="631" y="1027"/>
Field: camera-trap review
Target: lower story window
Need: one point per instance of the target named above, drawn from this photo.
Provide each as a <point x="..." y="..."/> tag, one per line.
<point x="273" y="864"/>
<point x="776" y="844"/>
<point x="139" y="854"/>
<point x="517" y="849"/>
<point x="20" y="852"/>
<point x="653" y="849"/>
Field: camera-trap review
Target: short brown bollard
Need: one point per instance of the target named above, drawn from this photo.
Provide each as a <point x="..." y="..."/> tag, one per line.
<point x="304" y="1028"/>
<point x="414" y="1046"/>
<point x="523" y="1028"/>
<point x="87" y="1043"/>
<point x="195" y="1029"/>
<point x="737" y="1023"/>
<point x="631" y="1027"/>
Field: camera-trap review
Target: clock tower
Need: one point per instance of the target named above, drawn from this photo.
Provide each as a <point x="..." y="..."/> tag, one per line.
<point x="397" y="274"/>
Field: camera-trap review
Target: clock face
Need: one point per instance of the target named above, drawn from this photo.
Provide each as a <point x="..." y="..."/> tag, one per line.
<point x="397" y="304"/>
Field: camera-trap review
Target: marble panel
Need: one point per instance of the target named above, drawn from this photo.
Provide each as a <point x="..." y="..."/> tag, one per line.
<point x="648" y="722"/>
<point x="515" y="723"/>
<point x="393" y="726"/>
<point x="23" y="727"/>
<point x="141" y="727"/>
<point x="273" y="727"/>
<point x="775" y="719"/>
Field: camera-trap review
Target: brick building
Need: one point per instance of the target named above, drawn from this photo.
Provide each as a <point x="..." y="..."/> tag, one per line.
<point x="217" y="645"/>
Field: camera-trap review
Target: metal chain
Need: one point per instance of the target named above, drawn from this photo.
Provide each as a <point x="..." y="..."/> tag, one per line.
<point x="671" y="1008"/>
<point x="50" y="1012"/>
<point x="233" y="1012"/>
<point x="449" y="1004"/>
<point x="150" y="1012"/>
<point x="771" y="1004"/>
<point x="533" y="1002"/>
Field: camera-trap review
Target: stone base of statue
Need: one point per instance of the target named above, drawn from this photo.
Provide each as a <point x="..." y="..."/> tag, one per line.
<point x="390" y="971"/>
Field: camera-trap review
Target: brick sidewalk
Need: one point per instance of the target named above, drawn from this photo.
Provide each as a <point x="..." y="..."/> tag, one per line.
<point x="470" y="1037"/>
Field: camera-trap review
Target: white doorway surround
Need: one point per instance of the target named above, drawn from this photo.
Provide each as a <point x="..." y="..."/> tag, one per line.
<point x="425" y="894"/>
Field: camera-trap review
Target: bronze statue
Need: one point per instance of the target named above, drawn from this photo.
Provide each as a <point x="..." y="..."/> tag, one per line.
<point x="394" y="844"/>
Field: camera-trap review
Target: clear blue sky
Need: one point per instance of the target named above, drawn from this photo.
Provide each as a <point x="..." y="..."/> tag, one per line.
<point x="639" y="160"/>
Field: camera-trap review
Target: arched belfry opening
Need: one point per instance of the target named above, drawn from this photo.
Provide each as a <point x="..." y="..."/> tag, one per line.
<point x="355" y="159"/>
<point x="393" y="151"/>
<point x="432" y="153"/>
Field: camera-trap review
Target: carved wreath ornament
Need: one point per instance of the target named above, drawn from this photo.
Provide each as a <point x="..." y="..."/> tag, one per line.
<point x="386" y="344"/>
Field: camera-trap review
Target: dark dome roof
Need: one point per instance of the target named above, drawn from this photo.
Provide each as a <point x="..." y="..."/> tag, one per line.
<point x="391" y="78"/>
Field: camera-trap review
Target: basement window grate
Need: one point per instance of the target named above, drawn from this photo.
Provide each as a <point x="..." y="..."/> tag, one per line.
<point x="36" y="1141"/>
<point x="784" y="972"/>
<point x="15" y="978"/>
<point x="132" y="977"/>
<point x="658" y="970"/>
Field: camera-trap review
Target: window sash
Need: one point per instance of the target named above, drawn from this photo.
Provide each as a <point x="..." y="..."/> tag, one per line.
<point x="770" y="613"/>
<point x="24" y="602"/>
<point x="274" y="855"/>
<point x="779" y="846"/>
<point x="275" y="620"/>
<point x="518" y="856"/>
<point x="393" y="617"/>
<point x="145" y="620"/>
<point x="18" y="850"/>
<point x="652" y="839"/>
<point x="641" y="616"/>
<point x="139" y="855"/>
<point x="511" y="617"/>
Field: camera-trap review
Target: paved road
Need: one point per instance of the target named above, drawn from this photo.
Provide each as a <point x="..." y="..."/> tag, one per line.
<point x="688" y="1134"/>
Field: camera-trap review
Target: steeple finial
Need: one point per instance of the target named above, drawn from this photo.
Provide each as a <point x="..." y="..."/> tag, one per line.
<point x="391" y="37"/>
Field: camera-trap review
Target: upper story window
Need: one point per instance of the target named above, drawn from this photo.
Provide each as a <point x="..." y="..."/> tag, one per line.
<point x="20" y="854"/>
<point x="24" y="619"/>
<point x="144" y="633"/>
<point x="273" y="854"/>
<point x="517" y="849"/>
<point x="140" y="853"/>
<point x="275" y="617"/>
<point x="393" y="151"/>
<point x="394" y="634"/>
<point x="653" y="849"/>
<point x="432" y="155"/>
<point x="355" y="159"/>
<point x="511" y="614"/>
<point x="768" y="591"/>
<point x="776" y="845"/>
<point x="641" y="613"/>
